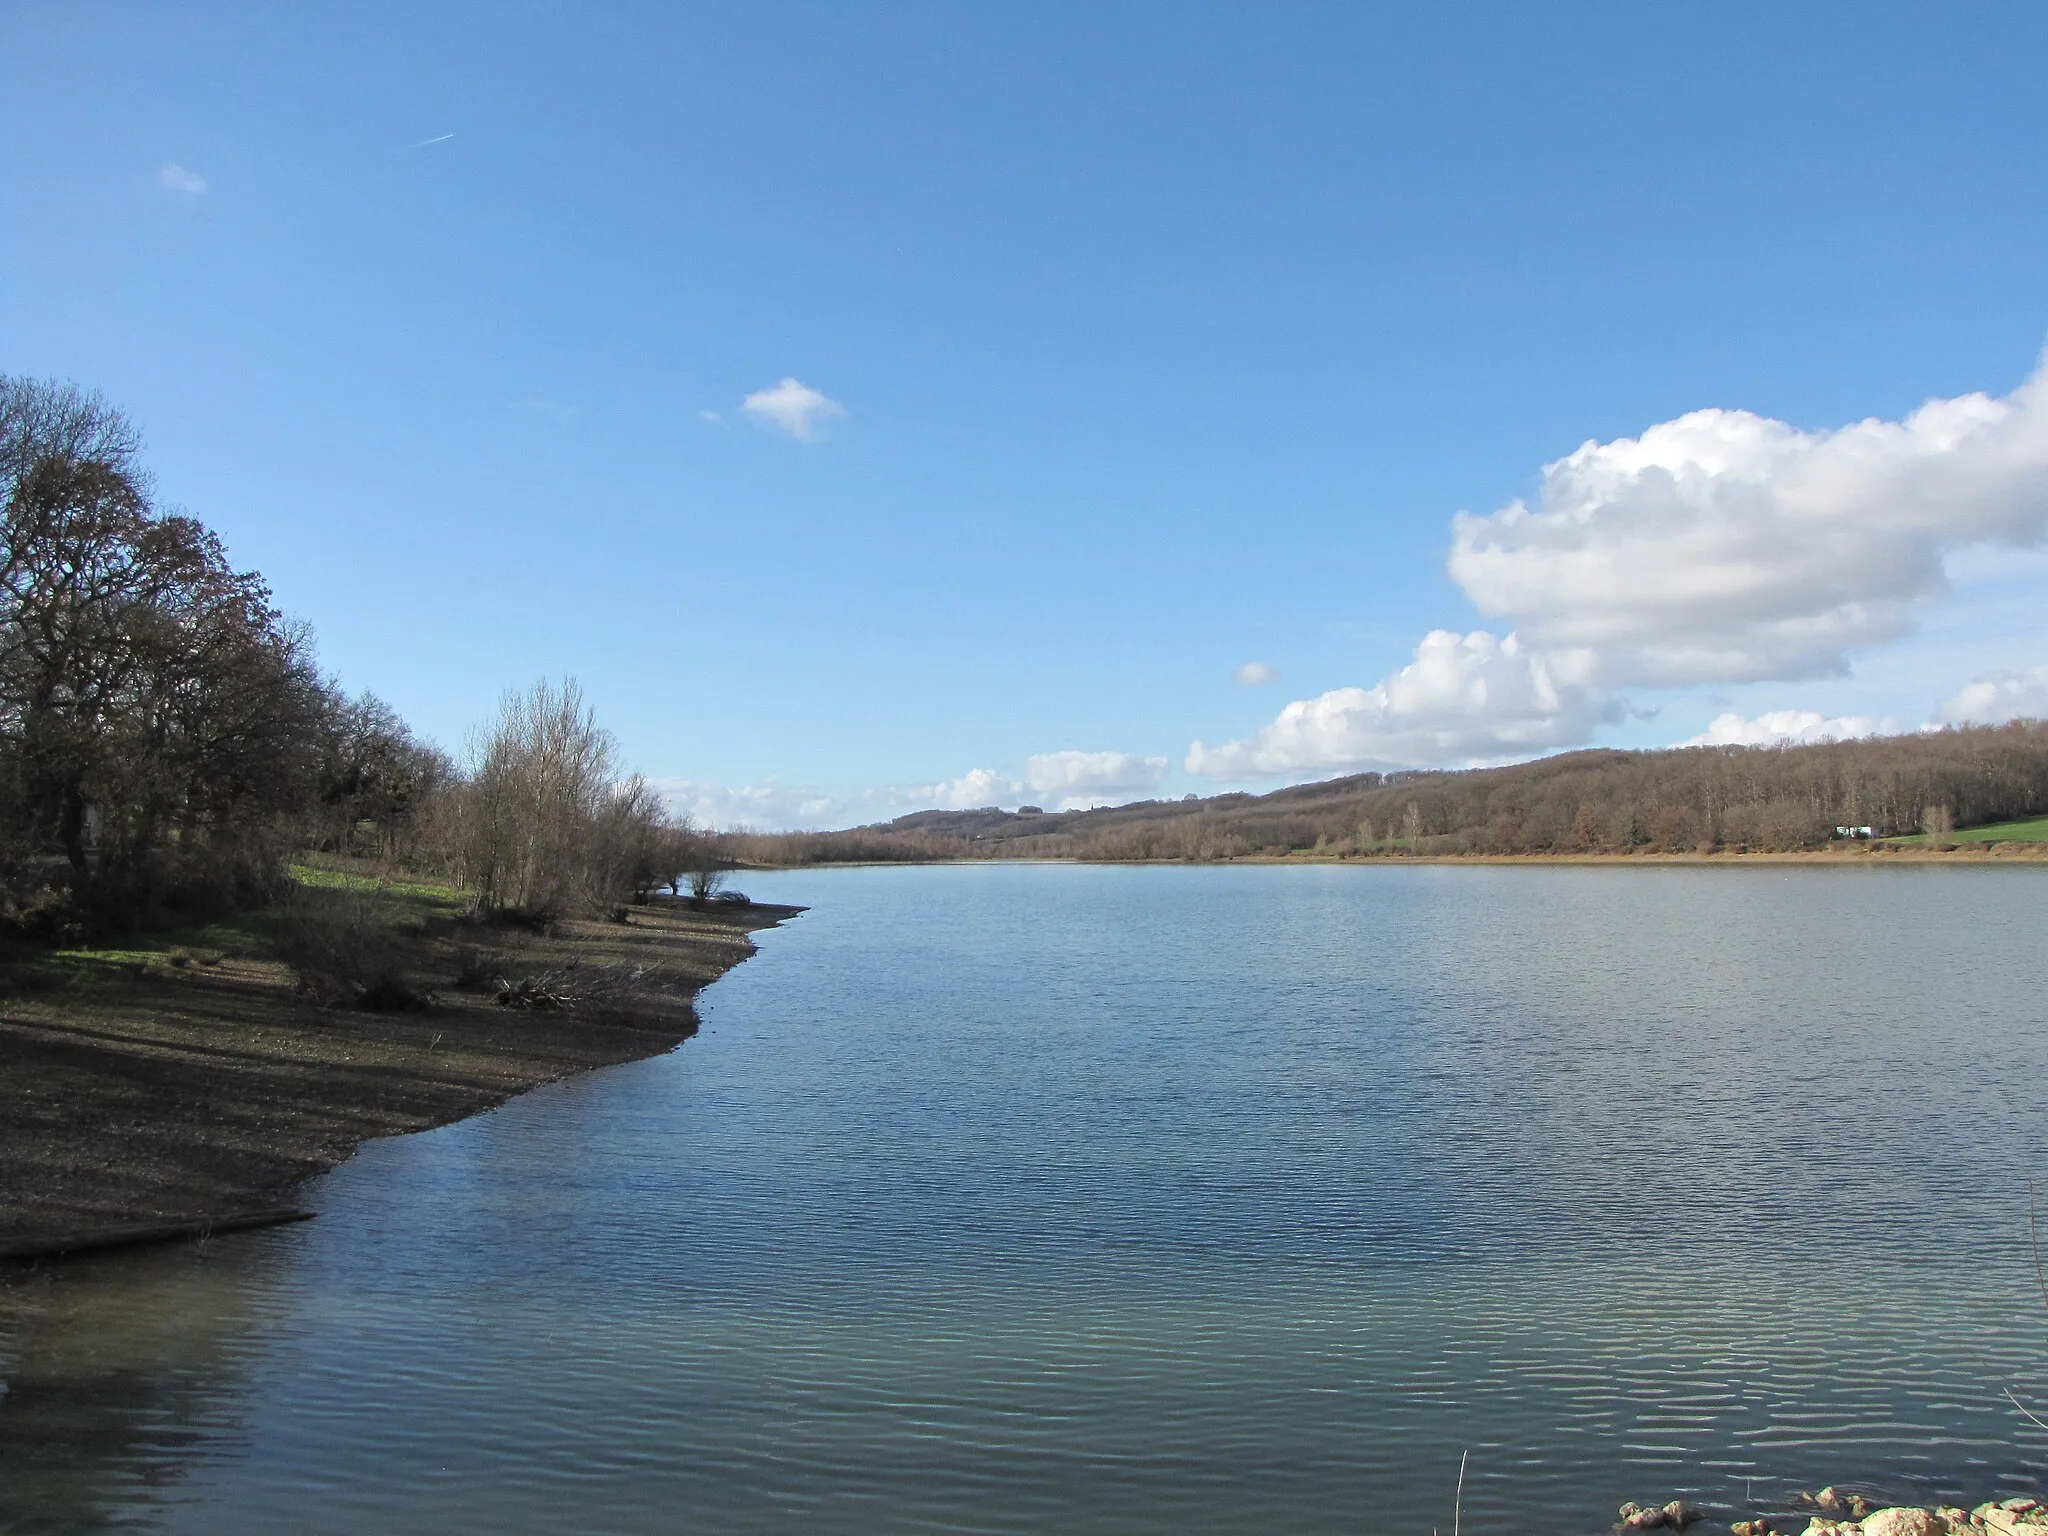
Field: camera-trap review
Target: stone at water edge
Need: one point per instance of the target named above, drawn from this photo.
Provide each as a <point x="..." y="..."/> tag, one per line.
<point x="2011" y="1517"/>
<point x="1752" y="1528"/>
<point x="1677" y="1515"/>
<point x="1904" y="1520"/>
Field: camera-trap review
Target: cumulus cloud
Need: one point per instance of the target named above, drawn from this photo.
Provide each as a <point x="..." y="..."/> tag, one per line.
<point x="773" y="806"/>
<point x="974" y="789"/>
<point x="769" y="806"/>
<point x="793" y="407"/>
<point x="1788" y="727"/>
<point x="1463" y="698"/>
<point x="1998" y="697"/>
<point x="1725" y="547"/>
<point x="179" y="182"/>
<point x="1076" y="781"/>
<point x="1065" y="780"/>
<point x="1254" y="674"/>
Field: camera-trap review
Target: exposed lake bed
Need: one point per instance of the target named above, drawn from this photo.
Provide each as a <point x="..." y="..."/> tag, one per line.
<point x="160" y="1091"/>
<point x="1023" y="1198"/>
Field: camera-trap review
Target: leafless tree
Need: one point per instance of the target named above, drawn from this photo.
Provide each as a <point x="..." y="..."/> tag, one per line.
<point x="157" y="716"/>
<point x="550" y="825"/>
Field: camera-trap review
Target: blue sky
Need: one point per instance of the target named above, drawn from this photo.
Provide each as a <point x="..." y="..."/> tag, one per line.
<point x="1131" y="345"/>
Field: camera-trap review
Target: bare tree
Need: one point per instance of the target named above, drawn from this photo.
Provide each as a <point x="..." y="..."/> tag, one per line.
<point x="375" y="773"/>
<point x="550" y="825"/>
<point x="157" y="716"/>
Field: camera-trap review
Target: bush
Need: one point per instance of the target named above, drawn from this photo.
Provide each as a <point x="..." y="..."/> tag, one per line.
<point x="342" y="944"/>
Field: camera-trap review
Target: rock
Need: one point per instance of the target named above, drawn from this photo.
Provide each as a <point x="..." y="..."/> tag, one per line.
<point x="1830" y="1501"/>
<point x="1752" y="1528"/>
<point x="1822" y="1526"/>
<point x="1904" y="1520"/>
<point x="1634" y="1517"/>
<point x="2001" y="1519"/>
<point x="1678" y="1514"/>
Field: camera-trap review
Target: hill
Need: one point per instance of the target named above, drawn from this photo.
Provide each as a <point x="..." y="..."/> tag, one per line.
<point x="1762" y="799"/>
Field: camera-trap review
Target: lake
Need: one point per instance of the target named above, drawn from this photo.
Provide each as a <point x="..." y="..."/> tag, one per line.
<point x="1033" y="1198"/>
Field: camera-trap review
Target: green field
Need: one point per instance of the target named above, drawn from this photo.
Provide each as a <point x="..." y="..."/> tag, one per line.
<point x="2033" y="831"/>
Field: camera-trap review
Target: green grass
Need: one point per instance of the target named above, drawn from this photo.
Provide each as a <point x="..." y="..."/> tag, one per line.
<point x="428" y="893"/>
<point x="241" y="936"/>
<point x="2034" y="830"/>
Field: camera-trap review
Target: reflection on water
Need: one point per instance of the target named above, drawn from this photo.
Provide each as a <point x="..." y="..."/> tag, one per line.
<point x="1014" y="1199"/>
<point x="118" y="1373"/>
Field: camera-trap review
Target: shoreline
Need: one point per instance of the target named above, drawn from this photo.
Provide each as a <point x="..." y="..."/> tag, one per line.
<point x="2014" y="852"/>
<point x="155" y="1092"/>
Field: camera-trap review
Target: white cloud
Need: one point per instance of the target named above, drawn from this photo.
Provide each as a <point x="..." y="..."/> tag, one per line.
<point x="1077" y="781"/>
<point x="1725" y="547"/>
<point x="1788" y="727"/>
<point x="772" y="806"/>
<point x="1463" y="698"/>
<point x="796" y="408"/>
<point x="180" y="182"/>
<point x="715" y="418"/>
<point x="1998" y="697"/>
<point x="1254" y="674"/>
<point x="1067" y="780"/>
<point x="769" y="806"/>
<point x="974" y="789"/>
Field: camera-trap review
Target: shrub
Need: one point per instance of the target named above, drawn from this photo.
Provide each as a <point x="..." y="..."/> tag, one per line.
<point x="342" y="944"/>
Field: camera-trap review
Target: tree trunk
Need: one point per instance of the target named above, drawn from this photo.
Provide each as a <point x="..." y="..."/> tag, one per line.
<point x="71" y="828"/>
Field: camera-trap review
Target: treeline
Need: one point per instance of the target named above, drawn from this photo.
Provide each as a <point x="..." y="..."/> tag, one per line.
<point x="168" y="745"/>
<point x="1691" y="799"/>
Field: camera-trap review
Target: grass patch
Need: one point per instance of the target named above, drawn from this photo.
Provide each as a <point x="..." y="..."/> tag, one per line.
<point x="2032" y="830"/>
<point x="444" y="900"/>
<point x="181" y="952"/>
<point x="163" y="957"/>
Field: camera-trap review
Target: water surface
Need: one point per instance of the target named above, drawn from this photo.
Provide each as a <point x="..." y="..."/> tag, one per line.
<point x="1038" y="1198"/>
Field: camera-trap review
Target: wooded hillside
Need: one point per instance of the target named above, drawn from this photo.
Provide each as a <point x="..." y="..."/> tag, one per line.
<point x="1775" y="799"/>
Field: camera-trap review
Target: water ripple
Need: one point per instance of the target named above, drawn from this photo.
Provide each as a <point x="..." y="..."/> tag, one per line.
<point x="1018" y="1199"/>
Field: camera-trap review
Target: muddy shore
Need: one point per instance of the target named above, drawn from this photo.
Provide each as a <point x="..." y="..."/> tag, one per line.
<point x="178" y="1086"/>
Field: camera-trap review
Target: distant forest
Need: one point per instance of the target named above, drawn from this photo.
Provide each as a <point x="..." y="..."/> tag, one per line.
<point x="1689" y="799"/>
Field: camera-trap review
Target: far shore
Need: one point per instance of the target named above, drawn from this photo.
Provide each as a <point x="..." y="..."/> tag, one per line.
<point x="1843" y="856"/>
<point x="171" y="1086"/>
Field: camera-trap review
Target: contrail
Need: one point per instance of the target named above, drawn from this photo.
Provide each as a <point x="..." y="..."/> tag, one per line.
<point x="443" y="139"/>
